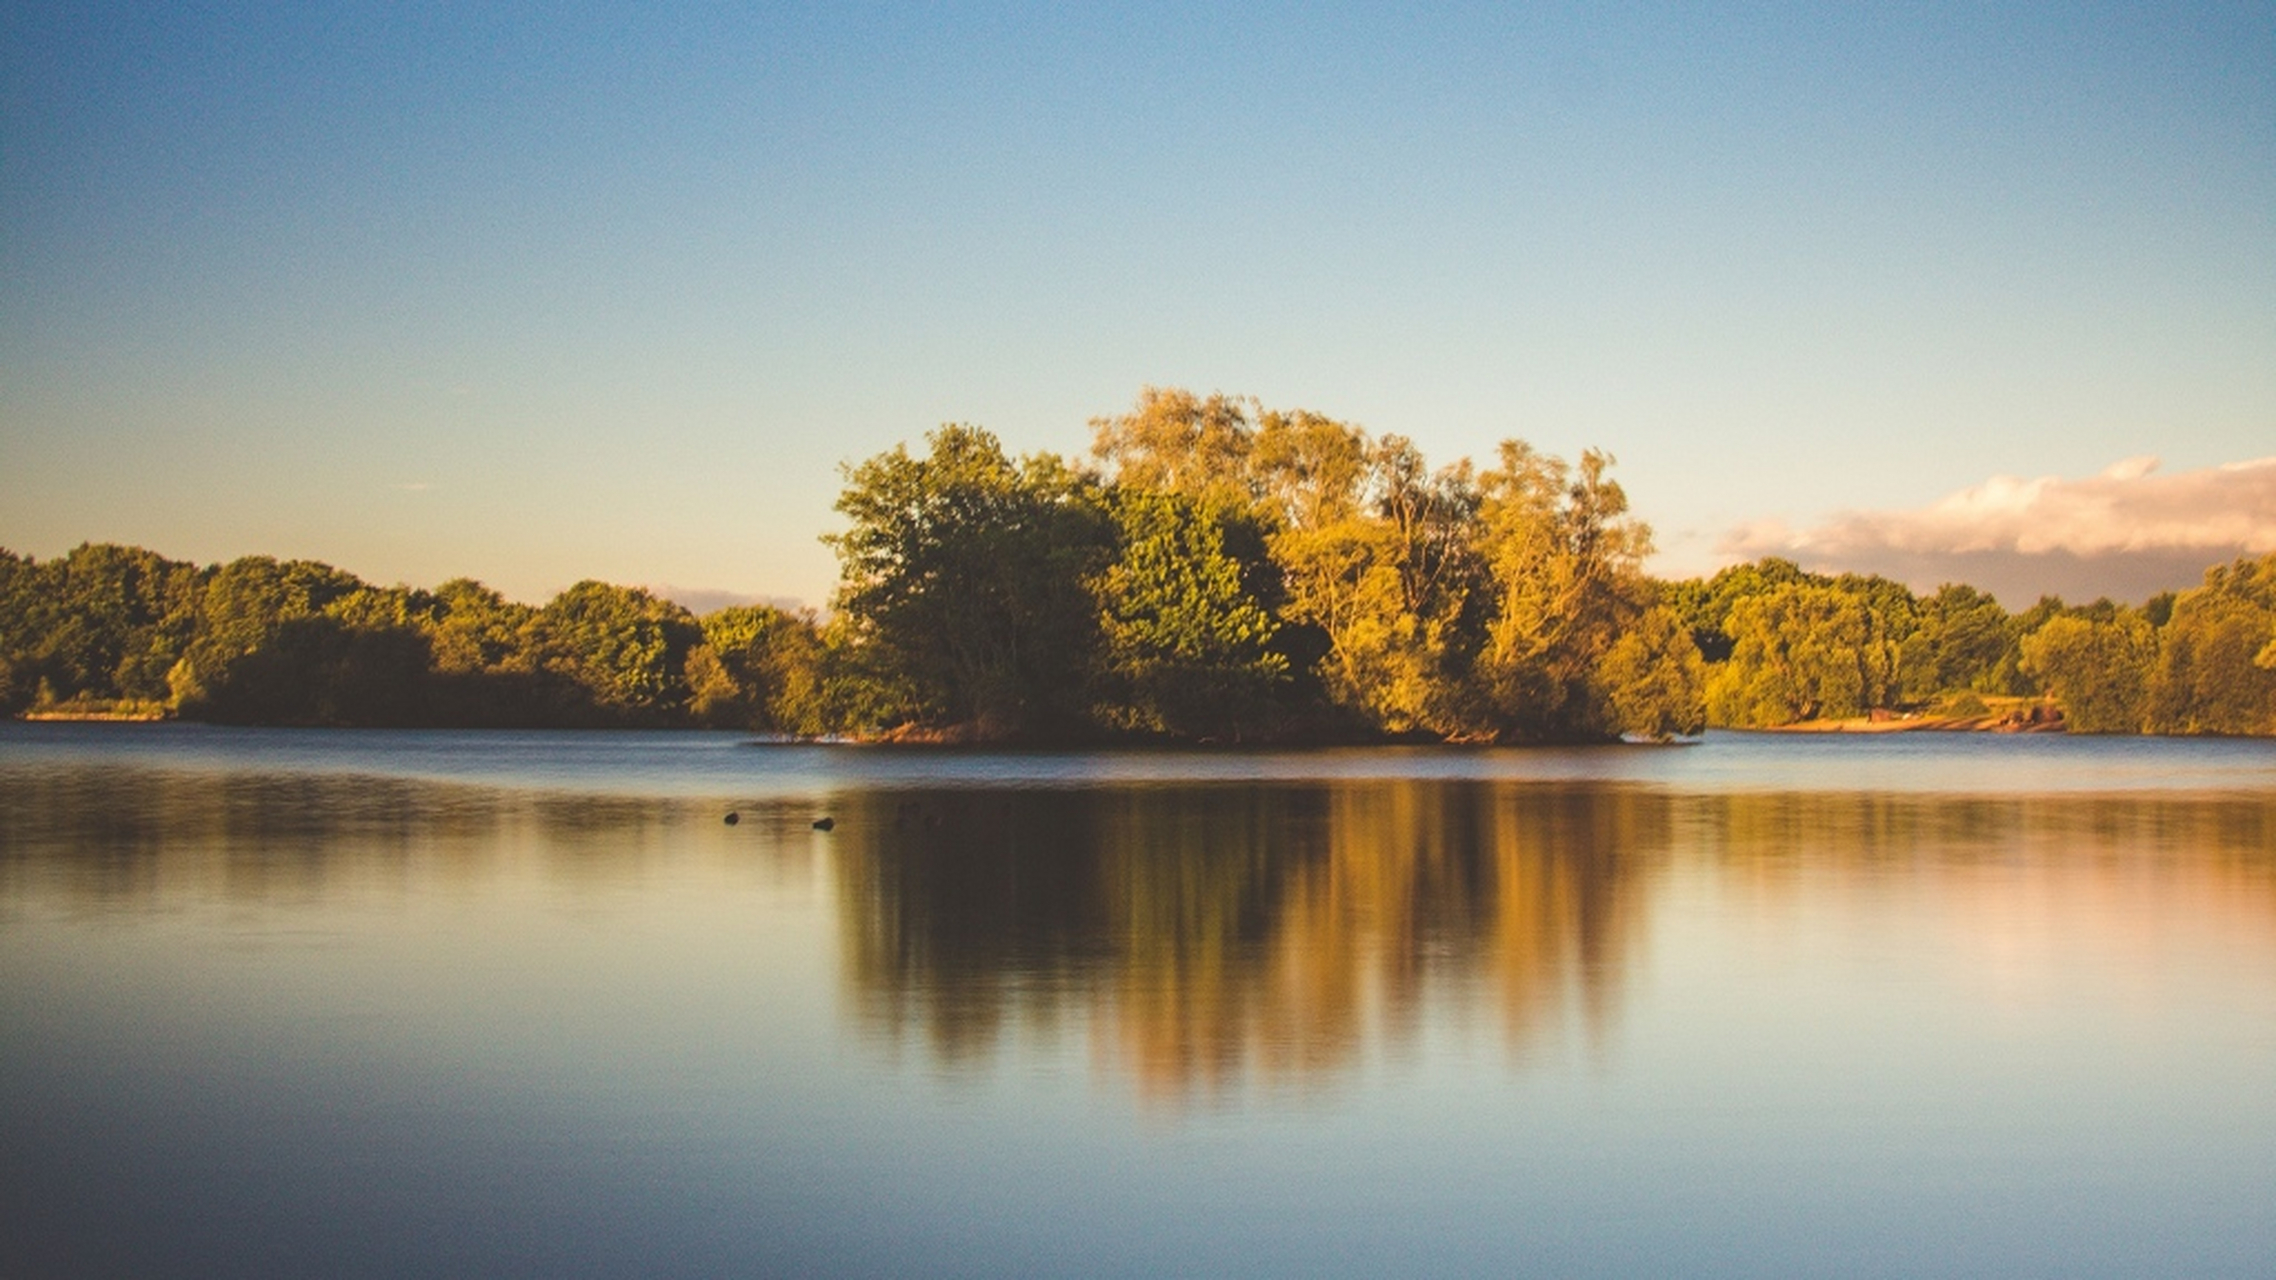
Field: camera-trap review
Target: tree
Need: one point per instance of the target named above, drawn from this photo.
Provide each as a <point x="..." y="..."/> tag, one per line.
<point x="1375" y="559"/>
<point x="2208" y="677"/>
<point x="1653" y="679"/>
<point x="1310" y="469"/>
<point x="962" y="577"/>
<point x="27" y="616"/>
<point x="623" y="647"/>
<point x="2098" y="668"/>
<point x="1565" y="563"/>
<point x="1962" y="641"/>
<point x="475" y="630"/>
<point x="1187" y="650"/>
<point x="100" y="623"/>
<point x="1177" y="442"/>
<point x="1802" y="652"/>
<point x="1343" y="584"/>
<point x="322" y="670"/>
<point x="760" y="668"/>
<point x="246" y="603"/>
<point x="1705" y="604"/>
<point x="1429" y="519"/>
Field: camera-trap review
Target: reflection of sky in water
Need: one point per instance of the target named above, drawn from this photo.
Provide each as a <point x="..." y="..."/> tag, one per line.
<point x="1373" y="1019"/>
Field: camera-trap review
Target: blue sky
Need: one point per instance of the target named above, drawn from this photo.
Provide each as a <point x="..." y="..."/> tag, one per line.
<point x="535" y="293"/>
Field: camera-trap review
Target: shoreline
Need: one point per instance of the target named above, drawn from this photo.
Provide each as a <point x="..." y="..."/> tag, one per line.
<point x="2010" y="722"/>
<point x="2037" y="719"/>
<point x="94" y="717"/>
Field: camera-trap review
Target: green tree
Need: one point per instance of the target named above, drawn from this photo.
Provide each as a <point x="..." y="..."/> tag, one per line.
<point x="962" y="581"/>
<point x="476" y="630"/>
<point x="1963" y="641"/>
<point x="1705" y="604"/>
<point x="1187" y="649"/>
<point x="246" y="603"/>
<point x="298" y="642"/>
<point x="1802" y="652"/>
<point x="100" y="623"/>
<point x="23" y="627"/>
<point x="2097" y="667"/>
<point x="488" y="666"/>
<point x="1654" y="680"/>
<point x="760" y="668"/>
<point x="625" y="648"/>
<point x="322" y="670"/>
<point x="2208" y="678"/>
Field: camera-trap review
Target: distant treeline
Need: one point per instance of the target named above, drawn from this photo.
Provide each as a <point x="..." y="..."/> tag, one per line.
<point x="1219" y="571"/>
<point x="1783" y="646"/>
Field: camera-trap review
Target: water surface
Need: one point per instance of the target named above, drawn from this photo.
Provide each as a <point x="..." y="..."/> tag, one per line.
<point x="299" y="1002"/>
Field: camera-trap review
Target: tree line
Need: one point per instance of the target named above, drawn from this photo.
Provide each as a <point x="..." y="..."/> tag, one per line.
<point x="1213" y="571"/>
<point x="264" y="641"/>
<point x="1785" y="646"/>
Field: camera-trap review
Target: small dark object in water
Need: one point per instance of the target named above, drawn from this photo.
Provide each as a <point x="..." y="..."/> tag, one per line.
<point x="824" y="824"/>
<point x="733" y="817"/>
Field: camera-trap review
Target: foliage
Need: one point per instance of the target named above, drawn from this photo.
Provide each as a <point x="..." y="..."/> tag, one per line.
<point x="1565" y="567"/>
<point x="2209" y="676"/>
<point x="1802" y="652"/>
<point x="1654" y="679"/>
<point x="265" y="651"/>
<point x="1186" y="648"/>
<point x="1176" y="442"/>
<point x="2097" y="667"/>
<point x="1705" y="606"/>
<point x="1256" y="571"/>
<point x="758" y="668"/>
<point x="1962" y="641"/>
<point x="100" y="624"/>
<point x="1377" y="558"/>
<point x="964" y="576"/>
<point x="265" y="641"/>
<point x="475" y="630"/>
<point x="1920" y="650"/>
<point x="1228" y="572"/>
<point x="621" y="646"/>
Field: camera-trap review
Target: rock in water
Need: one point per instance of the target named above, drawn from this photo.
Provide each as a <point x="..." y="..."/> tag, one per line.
<point x="824" y="824"/>
<point x="733" y="817"/>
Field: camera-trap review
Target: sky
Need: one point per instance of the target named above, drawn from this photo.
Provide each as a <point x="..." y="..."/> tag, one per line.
<point x="536" y="293"/>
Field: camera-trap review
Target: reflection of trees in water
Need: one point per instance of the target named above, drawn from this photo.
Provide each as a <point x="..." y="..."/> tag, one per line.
<point x="2129" y="869"/>
<point x="111" y="835"/>
<point x="1770" y="833"/>
<point x="1202" y="935"/>
<point x="1208" y="932"/>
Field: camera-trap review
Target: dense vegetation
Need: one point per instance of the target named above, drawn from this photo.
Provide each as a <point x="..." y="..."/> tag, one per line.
<point x="1216" y="571"/>
<point x="1786" y="646"/>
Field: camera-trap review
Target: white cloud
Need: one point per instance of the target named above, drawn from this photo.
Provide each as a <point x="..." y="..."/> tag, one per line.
<point x="2128" y="532"/>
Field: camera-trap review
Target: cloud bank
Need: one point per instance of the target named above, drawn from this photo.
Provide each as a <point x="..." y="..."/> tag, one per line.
<point x="2127" y="533"/>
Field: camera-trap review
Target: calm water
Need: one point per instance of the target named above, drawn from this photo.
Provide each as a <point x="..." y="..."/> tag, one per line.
<point x="308" y="1003"/>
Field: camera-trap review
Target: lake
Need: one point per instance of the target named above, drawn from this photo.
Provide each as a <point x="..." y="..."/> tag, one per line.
<point x="305" y="1003"/>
